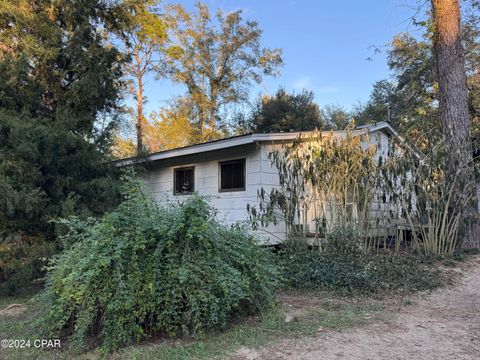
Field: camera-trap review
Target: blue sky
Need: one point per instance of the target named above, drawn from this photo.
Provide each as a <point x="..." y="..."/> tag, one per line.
<point x="325" y="45"/>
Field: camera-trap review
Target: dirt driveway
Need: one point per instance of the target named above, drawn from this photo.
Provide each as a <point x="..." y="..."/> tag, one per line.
<point x="443" y="325"/>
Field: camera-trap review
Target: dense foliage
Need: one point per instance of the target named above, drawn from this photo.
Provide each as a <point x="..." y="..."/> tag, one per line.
<point x="56" y="62"/>
<point x="409" y="100"/>
<point x="283" y="112"/>
<point x="59" y="77"/>
<point x="59" y="89"/>
<point x="47" y="171"/>
<point x="343" y="264"/>
<point x="217" y="57"/>
<point x="144" y="270"/>
<point x="22" y="259"/>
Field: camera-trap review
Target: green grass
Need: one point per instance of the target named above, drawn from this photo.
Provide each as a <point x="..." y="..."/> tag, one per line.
<point x="253" y="332"/>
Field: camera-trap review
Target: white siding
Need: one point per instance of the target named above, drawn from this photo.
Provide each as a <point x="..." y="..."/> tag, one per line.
<point x="232" y="206"/>
<point x="378" y="211"/>
<point x="274" y="233"/>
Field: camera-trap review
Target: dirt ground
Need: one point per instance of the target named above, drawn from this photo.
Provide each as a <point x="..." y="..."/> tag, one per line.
<point x="442" y="325"/>
<point x="13" y="310"/>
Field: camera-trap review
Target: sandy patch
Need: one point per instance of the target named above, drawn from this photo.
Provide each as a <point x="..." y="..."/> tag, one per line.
<point x="442" y="325"/>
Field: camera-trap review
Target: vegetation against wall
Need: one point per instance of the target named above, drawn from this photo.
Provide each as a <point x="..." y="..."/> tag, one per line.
<point x="331" y="178"/>
<point x="419" y="185"/>
<point x="344" y="266"/>
<point x="143" y="270"/>
<point x="347" y="181"/>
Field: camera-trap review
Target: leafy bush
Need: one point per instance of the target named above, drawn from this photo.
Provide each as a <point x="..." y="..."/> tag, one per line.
<point x="145" y="270"/>
<point x="342" y="264"/>
<point x="406" y="272"/>
<point x="21" y="261"/>
<point x="344" y="243"/>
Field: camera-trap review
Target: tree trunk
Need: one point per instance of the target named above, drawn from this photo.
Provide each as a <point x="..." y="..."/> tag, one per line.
<point x="212" y="120"/>
<point x="450" y="67"/>
<point x="453" y="97"/>
<point x="201" y="124"/>
<point x="212" y="107"/>
<point x="139" y="120"/>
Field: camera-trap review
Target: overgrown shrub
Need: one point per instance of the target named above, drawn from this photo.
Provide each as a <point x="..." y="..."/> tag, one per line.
<point x="21" y="261"/>
<point x="145" y="270"/>
<point x="342" y="264"/>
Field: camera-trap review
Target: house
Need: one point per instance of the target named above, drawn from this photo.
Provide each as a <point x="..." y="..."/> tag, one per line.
<point x="231" y="171"/>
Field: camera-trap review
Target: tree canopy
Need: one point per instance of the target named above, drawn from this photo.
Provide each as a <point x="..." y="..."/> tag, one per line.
<point x="59" y="90"/>
<point x="284" y="112"/>
<point x="142" y="39"/>
<point x="409" y="99"/>
<point x="216" y="57"/>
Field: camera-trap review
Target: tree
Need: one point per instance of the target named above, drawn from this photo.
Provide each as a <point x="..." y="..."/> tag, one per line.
<point x="409" y="99"/>
<point x="452" y="83"/>
<point x="284" y="112"/>
<point x="123" y="147"/>
<point x="471" y="43"/>
<point x="58" y="63"/>
<point x="47" y="171"/>
<point x="166" y="129"/>
<point x="336" y="117"/>
<point x="143" y="38"/>
<point x="453" y="101"/>
<point x="381" y="105"/>
<point x="59" y="88"/>
<point x="217" y="59"/>
<point x="169" y="129"/>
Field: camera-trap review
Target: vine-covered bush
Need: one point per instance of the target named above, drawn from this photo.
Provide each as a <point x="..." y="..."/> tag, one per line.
<point x="144" y="270"/>
<point x="343" y="264"/>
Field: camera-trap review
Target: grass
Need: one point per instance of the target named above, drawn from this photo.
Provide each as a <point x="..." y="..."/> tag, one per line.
<point x="269" y="328"/>
<point x="312" y="313"/>
<point x="335" y="313"/>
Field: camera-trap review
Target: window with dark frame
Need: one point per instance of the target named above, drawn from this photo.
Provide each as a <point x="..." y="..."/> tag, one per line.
<point x="232" y="175"/>
<point x="183" y="180"/>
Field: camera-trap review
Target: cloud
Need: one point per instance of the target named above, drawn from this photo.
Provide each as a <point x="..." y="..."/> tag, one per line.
<point x="302" y="83"/>
<point x="305" y="82"/>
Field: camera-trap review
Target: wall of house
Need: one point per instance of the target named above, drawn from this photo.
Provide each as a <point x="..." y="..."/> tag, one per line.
<point x="383" y="216"/>
<point x="231" y="205"/>
<point x="260" y="173"/>
<point x="379" y="212"/>
<point x="275" y="233"/>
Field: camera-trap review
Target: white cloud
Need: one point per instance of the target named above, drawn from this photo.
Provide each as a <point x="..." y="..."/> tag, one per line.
<point x="305" y="82"/>
<point x="302" y="83"/>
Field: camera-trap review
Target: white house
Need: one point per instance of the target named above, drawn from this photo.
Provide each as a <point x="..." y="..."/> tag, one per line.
<point x="231" y="171"/>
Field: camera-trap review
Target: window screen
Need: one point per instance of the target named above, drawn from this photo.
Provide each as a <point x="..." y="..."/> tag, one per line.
<point x="184" y="180"/>
<point x="232" y="175"/>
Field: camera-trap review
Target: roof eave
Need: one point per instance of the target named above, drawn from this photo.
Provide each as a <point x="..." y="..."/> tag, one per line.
<point x="242" y="140"/>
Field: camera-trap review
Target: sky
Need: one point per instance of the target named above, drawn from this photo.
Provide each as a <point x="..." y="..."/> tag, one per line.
<point x="326" y="45"/>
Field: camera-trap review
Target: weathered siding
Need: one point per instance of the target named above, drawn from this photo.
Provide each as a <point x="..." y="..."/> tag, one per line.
<point x="273" y="233"/>
<point x="231" y="205"/>
<point x="378" y="212"/>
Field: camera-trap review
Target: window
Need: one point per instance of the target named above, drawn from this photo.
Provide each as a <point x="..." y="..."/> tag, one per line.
<point x="232" y="175"/>
<point x="183" y="180"/>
